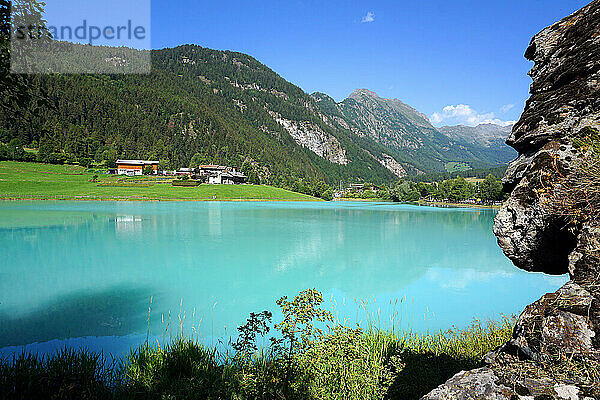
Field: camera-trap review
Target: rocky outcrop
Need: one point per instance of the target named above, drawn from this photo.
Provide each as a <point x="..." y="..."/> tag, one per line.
<point x="477" y="384"/>
<point x="312" y="137"/>
<point x="494" y="384"/>
<point x="564" y="103"/>
<point x="390" y="163"/>
<point x="555" y="325"/>
<point x="555" y="349"/>
<point x="565" y="99"/>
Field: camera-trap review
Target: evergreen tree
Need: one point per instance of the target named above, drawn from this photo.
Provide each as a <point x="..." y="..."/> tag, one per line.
<point x="490" y="189"/>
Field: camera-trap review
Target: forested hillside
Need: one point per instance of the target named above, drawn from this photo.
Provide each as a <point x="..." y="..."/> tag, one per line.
<point x="221" y="107"/>
<point x="206" y="106"/>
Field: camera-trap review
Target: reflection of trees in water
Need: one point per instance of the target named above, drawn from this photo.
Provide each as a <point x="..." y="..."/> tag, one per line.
<point x="243" y="257"/>
<point x="380" y="250"/>
<point x="11" y="219"/>
<point x="113" y="312"/>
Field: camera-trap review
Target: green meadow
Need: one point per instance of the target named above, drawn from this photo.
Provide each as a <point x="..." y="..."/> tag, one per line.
<point x="457" y="166"/>
<point x="23" y="180"/>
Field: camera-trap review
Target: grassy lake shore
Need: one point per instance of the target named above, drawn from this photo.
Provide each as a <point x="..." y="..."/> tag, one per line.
<point x="424" y="203"/>
<point x="457" y="205"/>
<point x="345" y="364"/>
<point x="32" y="181"/>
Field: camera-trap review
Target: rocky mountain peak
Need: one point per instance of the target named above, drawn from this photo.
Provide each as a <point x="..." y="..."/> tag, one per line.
<point x="320" y="96"/>
<point x="359" y="94"/>
<point x="363" y="95"/>
<point x="484" y="134"/>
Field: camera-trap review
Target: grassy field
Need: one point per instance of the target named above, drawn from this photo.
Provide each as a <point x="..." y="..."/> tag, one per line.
<point x="457" y="166"/>
<point x="20" y="180"/>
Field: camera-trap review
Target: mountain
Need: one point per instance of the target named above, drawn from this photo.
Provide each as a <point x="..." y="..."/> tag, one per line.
<point x="485" y="141"/>
<point x="410" y="138"/>
<point x="222" y="106"/>
<point x="227" y="108"/>
<point x="485" y="135"/>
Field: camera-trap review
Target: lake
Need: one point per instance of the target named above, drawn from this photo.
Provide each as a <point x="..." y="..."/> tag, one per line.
<point x="107" y="275"/>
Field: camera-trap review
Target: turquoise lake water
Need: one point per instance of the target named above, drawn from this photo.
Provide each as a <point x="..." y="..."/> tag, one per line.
<point x="106" y="275"/>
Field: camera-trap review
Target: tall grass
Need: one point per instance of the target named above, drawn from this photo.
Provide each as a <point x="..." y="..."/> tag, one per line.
<point x="67" y="374"/>
<point x="182" y="369"/>
<point x="344" y="363"/>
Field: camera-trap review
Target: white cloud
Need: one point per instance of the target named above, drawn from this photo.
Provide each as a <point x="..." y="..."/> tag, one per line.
<point x="370" y="17"/>
<point x="506" y="108"/>
<point x="462" y="114"/>
<point x="449" y="278"/>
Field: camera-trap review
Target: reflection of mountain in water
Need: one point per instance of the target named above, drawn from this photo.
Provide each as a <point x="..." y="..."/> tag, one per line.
<point x="241" y="256"/>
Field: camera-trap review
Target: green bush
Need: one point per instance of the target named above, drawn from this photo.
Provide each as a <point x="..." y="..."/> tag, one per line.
<point x="68" y="374"/>
<point x="148" y="170"/>
<point x="346" y="364"/>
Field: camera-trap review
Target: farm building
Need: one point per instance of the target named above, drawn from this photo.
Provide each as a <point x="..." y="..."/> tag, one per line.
<point x="135" y="167"/>
<point x="221" y="175"/>
<point x="212" y="174"/>
<point x="184" y="171"/>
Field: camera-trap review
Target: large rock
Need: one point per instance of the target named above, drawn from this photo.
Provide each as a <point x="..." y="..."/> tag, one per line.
<point x="564" y="105"/>
<point x="555" y="349"/>
<point x="555" y="325"/>
<point x="477" y="384"/>
<point x="487" y="384"/>
<point x="565" y="99"/>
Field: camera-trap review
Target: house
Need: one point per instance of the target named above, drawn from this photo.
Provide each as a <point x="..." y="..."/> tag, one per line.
<point x="232" y="178"/>
<point x="356" y="187"/>
<point x="221" y="175"/>
<point x="359" y="187"/>
<point x="184" y="171"/>
<point x="135" y="167"/>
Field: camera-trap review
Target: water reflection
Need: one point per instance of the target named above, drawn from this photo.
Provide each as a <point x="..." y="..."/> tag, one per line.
<point x="128" y="224"/>
<point x="115" y="312"/>
<point x="215" y="262"/>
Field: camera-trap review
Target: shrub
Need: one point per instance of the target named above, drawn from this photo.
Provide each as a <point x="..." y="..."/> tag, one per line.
<point x="347" y="364"/>
<point x="4" y="154"/>
<point x="85" y="162"/>
<point x="69" y="374"/>
<point x="185" y="182"/>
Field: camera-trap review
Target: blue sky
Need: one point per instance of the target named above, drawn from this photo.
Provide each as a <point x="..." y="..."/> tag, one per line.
<point x="460" y="59"/>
